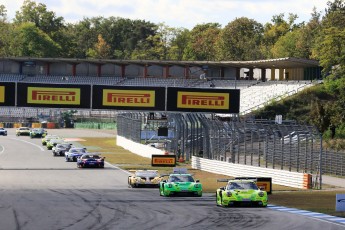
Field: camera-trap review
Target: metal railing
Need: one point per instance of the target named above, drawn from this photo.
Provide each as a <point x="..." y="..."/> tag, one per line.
<point x="287" y="146"/>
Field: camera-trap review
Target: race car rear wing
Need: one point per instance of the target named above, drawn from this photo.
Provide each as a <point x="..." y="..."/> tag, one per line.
<point x="237" y="178"/>
<point x="223" y="180"/>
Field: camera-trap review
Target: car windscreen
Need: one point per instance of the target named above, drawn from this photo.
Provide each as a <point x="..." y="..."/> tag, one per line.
<point x="77" y="151"/>
<point x="242" y="185"/>
<point x="181" y="178"/>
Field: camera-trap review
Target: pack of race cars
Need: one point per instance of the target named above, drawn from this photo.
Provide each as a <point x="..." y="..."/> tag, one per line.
<point x="237" y="192"/>
<point x="60" y="147"/>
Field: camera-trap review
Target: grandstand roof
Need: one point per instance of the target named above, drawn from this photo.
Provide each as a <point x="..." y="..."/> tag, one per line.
<point x="283" y="63"/>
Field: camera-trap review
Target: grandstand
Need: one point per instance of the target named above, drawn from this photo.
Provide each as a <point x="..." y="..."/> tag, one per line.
<point x="262" y="83"/>
<point x="253" y="94"/>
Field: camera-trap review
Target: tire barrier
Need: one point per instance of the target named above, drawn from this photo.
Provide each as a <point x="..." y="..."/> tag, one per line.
<point x="51" y="125"/>
<point x="36" y="125"/>
<point x="6" y="125"/>
<point x="17" y="125"/>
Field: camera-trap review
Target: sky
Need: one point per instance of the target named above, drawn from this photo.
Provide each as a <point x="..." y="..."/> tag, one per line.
<point x="176" y="13"/>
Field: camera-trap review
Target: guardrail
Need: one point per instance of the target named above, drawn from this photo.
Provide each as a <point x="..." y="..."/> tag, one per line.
<point x="137" y="148"/>
<point x="281" y="177"/>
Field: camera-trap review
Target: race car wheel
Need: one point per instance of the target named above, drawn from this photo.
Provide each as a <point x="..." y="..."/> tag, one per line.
<point x="74" y="159"/>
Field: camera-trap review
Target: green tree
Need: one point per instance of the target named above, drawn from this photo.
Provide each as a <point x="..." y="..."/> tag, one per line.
<point x="43" y="19"/>
<point x="330" y="44"/>
<point x="6" y="33"/>
<point x="274" y="30"/>
<point x="240" y="40"/>
<point x="202" y="42"/>
<point x="30" y="41"/>
<point x="179" y="44"/>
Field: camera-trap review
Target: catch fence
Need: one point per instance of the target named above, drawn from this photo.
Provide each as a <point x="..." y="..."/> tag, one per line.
<point x="287" y="146"/>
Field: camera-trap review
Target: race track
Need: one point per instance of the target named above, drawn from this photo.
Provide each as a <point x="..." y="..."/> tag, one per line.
<point x="39" y="191"/>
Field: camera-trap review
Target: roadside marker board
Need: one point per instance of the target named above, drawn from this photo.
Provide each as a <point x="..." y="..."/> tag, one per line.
<point x="340" y="203"/>
<point x="261" y="182"/>
<point x="163" y="160"/>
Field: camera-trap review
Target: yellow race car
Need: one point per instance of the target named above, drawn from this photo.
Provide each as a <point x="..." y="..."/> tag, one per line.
<point x="23" y="131"/>
<point x="144" y="178"/>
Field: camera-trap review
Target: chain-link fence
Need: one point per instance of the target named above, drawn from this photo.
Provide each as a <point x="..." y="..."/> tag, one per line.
<point x="287" y="146"/>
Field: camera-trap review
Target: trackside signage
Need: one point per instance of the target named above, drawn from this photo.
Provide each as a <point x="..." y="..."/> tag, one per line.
<point x="264" y="183"/>
<point x="2" y="94"/>
<point x="60" y="96"/>
<point x="140" y="98"/>
<point x="43" y="95"/>
<point x="203" y="100"/>
<point x="163" y="160"/>
<point x="197" y="100"/>
<point x="7" y="94"/>
<point x="128" y="98"/>
<point x="340" y="203"/>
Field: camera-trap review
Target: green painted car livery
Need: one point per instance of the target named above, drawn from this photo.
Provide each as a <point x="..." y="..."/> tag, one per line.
<point x="48" y="138"/>
<point x="53" y="142"/>
<point x="241" y="192"/>
<point x="180" y="184"/>
<point x="38" y="132"/>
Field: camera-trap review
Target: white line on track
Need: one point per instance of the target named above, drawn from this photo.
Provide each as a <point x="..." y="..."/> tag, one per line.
<point x="3" y="149"/>
<point x="113" y="166"/>
<point x="42" y="149"/>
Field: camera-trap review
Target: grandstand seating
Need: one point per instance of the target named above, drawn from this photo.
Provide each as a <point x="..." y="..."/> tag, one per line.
<point x="259" y="95"/>
<point x="11" y="77"/>
<point x="73" y="80"/>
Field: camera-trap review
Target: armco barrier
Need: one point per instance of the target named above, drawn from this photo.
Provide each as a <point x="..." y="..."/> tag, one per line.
<point x="139" y="149"/>
<point x="281" y="177"/>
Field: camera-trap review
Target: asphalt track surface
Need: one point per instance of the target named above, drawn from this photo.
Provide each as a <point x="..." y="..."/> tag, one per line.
<point x="39" y="191"/>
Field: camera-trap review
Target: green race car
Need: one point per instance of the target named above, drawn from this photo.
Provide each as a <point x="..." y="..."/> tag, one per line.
<point x="38" y="132"/>
<point x="180" y="184"/>
<point x="241" y="192"/>
<point x="48" y="137"/>
<point x="53" y="142"/>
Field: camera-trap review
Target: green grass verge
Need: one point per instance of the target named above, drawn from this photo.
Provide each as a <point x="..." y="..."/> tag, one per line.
<point x="316" y="201"/>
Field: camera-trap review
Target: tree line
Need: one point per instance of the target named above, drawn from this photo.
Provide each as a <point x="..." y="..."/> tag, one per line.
<point x="36" y="31"/>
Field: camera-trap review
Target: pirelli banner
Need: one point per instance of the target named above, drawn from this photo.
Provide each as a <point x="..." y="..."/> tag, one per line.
<point x="128" y="98"/>
<point x="203" y="100"/>
<point x="7" y="93"/>
<point x="53" y="95"/>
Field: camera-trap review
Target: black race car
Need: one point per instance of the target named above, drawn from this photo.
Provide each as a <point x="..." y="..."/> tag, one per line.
<point x="3" y="132"/>
<point x="60" y="149"/>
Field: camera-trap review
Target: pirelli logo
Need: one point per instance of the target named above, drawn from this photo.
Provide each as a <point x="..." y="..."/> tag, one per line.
<point x="202" y="100"/>
<point x="2" y="94"/>
<point x="54" y="96"/>
<point x="163" y="160"/>
<point x="129" y="98"/>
